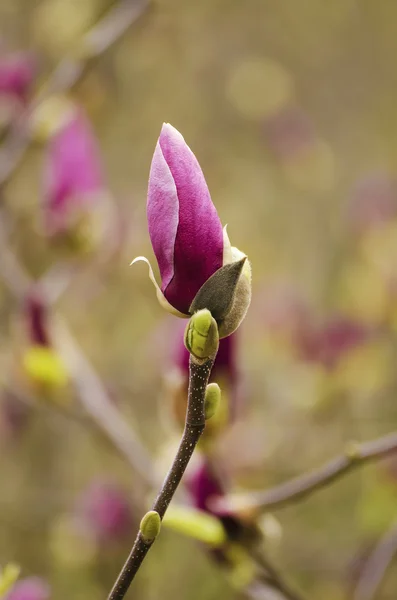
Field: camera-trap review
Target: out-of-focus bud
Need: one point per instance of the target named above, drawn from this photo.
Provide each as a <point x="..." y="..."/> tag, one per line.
<point x="40" y="362"/>
<point x="74" y="185"/>
<point x="329" y="343"/>
<point x="45" y="368"/>
<point x="201" y="336"/>
<point x="212" y="400"/>
<point x="150" y="526"/>
<point x="105" y="511"/>
<point x="204" y="485"/>
<point x="206" y="488"/>
<point x="31" y="588"/>
<point x="8" y="576"/>
<point x="196" y="524"/>
<point x="17" y="72"/>
<point x="194" y="257"/>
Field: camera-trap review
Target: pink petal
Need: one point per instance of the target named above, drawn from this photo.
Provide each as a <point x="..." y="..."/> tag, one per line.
<point x="195" y="232"/>
<point x="163" y="215"/>
<point x="73" y="172"/>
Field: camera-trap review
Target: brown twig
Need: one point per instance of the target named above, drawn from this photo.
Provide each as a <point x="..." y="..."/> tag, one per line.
<point x="67" y="74"/>
<point x="376" y="566"/>
<point x="99" y="406"/>
<point x="91" y="392"/>
<point x="194" y="427"/>
<point x="356" y="455"/>
<point x="272" y="577"/>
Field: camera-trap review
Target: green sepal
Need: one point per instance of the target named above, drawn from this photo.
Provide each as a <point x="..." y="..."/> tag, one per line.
<point x="217" y="293"/>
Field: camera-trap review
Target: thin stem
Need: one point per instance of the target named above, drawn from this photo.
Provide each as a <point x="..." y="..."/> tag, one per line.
<point x="90" y="389"/>
<point x="194" y="427"/>
<point x="95" y="399"/>
<point x="376" y="566"/>
<point x="356" y="455"/>
<point x="273" y="578"/>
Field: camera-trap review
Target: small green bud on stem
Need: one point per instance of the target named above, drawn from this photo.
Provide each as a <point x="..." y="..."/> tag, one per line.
<point x="201" y="335"/>
<point x="150" y="526"/>
<point x="212" y="400"/>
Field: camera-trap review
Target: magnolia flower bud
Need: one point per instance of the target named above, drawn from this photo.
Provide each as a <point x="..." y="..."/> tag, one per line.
<point x="201" y="336"/>
<point x="212" y="400"/>
<point x="150" y="526"/>
<point x="198" y="266"/>
<point x="17" y="72"/>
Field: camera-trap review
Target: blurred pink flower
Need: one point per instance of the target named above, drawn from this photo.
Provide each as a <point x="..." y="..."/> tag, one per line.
<point x="31" y="588"/>
<point x="328" y="343"/>
<point x="204" y="485"/>
<point x="17" y="72"/>
<point x="373" y="200"/>
<point x="73" y="174"/>
<point x="105" y="510"/>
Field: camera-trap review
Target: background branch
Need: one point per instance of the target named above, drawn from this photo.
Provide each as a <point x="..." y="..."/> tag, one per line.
<point x="376" y="566"/>
<point x="99" y="406"/>
<point x="356" y="455"/>
<point x="272" y="577"/>
<point x="91" y="392"/>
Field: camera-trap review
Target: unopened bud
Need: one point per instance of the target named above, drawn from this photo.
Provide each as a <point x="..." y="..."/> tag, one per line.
<point x="212" y="400"/>
<point x="150" y="526"/>
<point x="45" y="367"/>
<point x="201" y="335"/>
<point x="8" y="576"/>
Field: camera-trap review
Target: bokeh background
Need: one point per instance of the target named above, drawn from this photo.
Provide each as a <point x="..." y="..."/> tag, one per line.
<point x="290" y="108"/>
